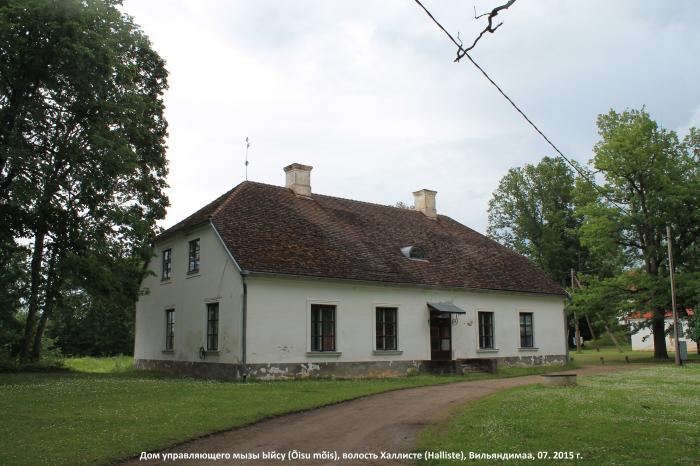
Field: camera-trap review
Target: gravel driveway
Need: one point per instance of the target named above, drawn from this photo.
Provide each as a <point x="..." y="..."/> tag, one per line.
<point x="385" y="422"/>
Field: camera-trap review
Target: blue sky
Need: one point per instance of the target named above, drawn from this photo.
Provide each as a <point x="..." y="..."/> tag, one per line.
<point x="367" y="93"/>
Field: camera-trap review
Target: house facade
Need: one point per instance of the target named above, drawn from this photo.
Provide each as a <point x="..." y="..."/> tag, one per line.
<point x="279" y="282"/>
<point x="643" y="337"/>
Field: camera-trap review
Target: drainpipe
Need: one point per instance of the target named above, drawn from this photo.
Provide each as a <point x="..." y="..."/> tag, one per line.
<point x="244" y="323"/>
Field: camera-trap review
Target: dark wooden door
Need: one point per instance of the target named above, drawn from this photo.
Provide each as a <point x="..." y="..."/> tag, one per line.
<point x="440" y="336"/>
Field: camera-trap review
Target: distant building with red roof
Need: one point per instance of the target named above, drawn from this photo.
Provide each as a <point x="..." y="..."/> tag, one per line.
<point x="643" y="339"/>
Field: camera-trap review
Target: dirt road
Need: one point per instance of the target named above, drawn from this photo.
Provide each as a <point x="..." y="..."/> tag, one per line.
<point x="388" y="422"/>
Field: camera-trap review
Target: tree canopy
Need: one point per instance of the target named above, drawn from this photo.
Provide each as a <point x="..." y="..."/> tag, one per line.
<point x="649" y="179"/>
<point x="82" y="155"/>
<point x="533" y="211"/>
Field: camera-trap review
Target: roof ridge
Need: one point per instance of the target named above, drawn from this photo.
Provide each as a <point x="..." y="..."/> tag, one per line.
<point x="328" y="196"/>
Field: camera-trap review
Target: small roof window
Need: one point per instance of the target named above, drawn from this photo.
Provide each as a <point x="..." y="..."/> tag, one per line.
<point x="413" y="252"/>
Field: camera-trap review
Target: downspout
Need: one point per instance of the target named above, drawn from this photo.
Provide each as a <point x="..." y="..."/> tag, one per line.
<point x="244" y="307"/>
<point x="244" y="323"/>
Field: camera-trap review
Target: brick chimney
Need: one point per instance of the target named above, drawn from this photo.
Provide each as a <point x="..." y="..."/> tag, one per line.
<point x="424" y="201"/>
<point x="299" y="179"/>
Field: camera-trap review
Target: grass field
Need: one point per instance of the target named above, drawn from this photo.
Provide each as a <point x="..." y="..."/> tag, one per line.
<point x="111" y="411"/>
<point x="612" y="355"/>
<point x="114" y="364"/>
<point x="646" y="416"/>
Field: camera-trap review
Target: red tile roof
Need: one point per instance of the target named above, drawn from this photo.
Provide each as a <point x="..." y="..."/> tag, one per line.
<point x="667" y="314"/>
<point x="271" y="230"/>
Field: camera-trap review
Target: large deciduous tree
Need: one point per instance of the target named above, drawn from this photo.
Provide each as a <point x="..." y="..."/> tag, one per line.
<point x="82" y="154"/>
<point x="651" y="180"/>
<point x="532" y="211"/>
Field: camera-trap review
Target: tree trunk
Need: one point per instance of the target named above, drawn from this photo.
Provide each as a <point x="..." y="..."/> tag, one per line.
<point x="52" y="286"/>
<point x="33" y="308"/>
<point x="36" y="349"/>
<point x="658" y="327"/>
<point x="614" y="340"/>
<point x="578" y="334"/>
<point x="590" y="329"/>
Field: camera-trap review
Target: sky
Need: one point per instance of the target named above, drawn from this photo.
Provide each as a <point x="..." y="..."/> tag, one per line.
<point x="368" y="94"/>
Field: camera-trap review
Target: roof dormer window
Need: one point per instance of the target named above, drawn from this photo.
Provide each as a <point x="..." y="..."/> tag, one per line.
<point x="413" y="252"/>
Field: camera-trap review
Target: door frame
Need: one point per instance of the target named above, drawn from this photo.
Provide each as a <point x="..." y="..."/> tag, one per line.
<point x="440" y="320"/>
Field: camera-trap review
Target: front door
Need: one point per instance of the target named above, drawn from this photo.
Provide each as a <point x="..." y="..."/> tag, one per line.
<point x="440" y="336"/>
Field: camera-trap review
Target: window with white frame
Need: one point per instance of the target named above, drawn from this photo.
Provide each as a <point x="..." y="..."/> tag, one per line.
<point x="486" y="330"/>
<point x="386" y="328"/>
<point x="169" y="329"/>
<point x="323" y="327"/>
<point x="193" y="256"/>
<point x="212" y="326"/>
<point x="167" y="264"/>
<point x="527" y="334"/>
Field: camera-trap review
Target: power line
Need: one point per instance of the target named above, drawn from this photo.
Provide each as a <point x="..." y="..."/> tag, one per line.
<point x="462" y="52"/>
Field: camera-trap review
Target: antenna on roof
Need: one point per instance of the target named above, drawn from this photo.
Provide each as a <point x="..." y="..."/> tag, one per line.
<point x="247" y="145"/>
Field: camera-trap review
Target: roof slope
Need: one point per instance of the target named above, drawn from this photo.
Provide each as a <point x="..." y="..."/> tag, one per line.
<point x="270" y="229"/>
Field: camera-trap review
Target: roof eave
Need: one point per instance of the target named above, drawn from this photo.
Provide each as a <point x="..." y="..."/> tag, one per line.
<point x="167" y="234"/>
<point x="397" y="283"/>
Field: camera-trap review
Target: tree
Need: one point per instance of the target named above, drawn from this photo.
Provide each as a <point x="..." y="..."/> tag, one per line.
<point x="650" y="180"/>
<point x="82" y="159"/>
<point x="532" y="211"/>
<point x="693" y="330"/>
<point x="13" y="279"/>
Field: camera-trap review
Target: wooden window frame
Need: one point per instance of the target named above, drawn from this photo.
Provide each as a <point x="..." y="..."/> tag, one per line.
<point x="381" y="335"/>
<point x="169" y="329"/>
<point x="324" y="317"/>
<point x="193" y="252"/>
<point x="166" y="272"/>
<point x="487" y="340"/>
<point x="212" y="327"/>
<point x="524" y="326"/>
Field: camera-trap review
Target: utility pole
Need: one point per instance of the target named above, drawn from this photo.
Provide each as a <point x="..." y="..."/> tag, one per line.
<point x="673" y="297"/>
<point x="578" y="329"/>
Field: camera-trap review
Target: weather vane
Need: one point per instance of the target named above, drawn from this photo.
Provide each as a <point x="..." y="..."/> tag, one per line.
<point x="247" y="145"/>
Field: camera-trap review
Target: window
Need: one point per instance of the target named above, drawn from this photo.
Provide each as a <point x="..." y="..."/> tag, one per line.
<point x="417" y="253"/>
<point x="486" y="330"/>
<point x="413" y="252"/>
<point x="386" y="328"/>
<point x="322" y="327"/>
<point x="212" y="326"/>
<point x="169" y="329"/>
<point x="526" y="330"/>
<point x="193" y="262"/>
<point x="167" y="264"/>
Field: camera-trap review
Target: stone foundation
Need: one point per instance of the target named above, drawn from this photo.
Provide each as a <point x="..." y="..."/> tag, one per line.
<point x="533" y="360"/>
<point x="281" y="371"/>
<point x="211" y="370"/>
<point x="374" y="369"/>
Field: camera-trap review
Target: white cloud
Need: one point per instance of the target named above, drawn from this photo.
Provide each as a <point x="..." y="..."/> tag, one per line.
<point x="368" y="94"/>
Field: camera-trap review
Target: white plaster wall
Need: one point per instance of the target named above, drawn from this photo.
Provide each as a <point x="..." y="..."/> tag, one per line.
<point x="279" y="320"/>
<point x="643" y="340"/>
<point x="218" y="280"/>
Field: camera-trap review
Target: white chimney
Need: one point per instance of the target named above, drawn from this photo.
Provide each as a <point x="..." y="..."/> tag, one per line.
<point x="424" y="201"/>
<point x="299" y="179"/>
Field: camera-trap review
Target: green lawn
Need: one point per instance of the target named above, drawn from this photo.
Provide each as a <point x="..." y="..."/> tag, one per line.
<point x="647" y="416"/>
<point x="612" y="355"/>
<point x="113" y="411"/>
<point x="101" y="365"/>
